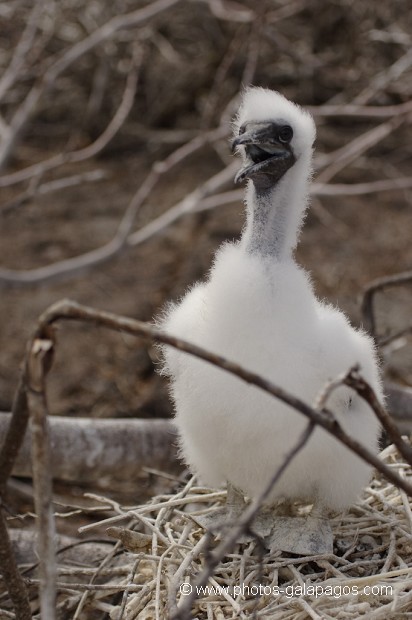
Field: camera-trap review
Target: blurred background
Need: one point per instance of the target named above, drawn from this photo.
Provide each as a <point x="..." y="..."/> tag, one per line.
<point x="93" y="94"/>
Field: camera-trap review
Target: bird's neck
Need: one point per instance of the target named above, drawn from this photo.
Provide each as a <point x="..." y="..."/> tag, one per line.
<point x="275" y="214"/>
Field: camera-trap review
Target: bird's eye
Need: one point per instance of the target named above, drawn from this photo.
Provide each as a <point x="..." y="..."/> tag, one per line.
<point x="285" y="134"/>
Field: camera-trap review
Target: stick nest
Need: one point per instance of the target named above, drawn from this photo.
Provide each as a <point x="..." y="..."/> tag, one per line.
<point x="160" y="547"/>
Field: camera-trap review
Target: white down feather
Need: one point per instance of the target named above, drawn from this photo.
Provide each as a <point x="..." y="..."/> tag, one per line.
<point x="262" y="313"/>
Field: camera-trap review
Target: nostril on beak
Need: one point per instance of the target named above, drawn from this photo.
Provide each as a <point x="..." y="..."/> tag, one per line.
<point x="236" y="143"/>
<point x="238" y="140"/>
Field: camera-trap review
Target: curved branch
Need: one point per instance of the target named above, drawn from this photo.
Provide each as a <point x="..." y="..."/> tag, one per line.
<point x="92" y="149"/>
<point x="370" y="291"/>
<point x="334" y="162"/>
<point x="123" y="238"/>
<point x="11" y="575"/>
<point x="119" y="22"/>
<point x="21" y="50"/>
<point x="197" y="201"/>
<point x="357" y="189"/>
<point x="362" y="111"/>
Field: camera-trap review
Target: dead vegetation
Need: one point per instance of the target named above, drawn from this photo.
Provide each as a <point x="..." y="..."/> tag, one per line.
<point x="116" y="186"/>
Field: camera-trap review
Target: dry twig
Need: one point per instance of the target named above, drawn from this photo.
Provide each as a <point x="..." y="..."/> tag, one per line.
<point x="10" y="573"/>
<point x="98" y="36"/>
<point x="123" y="237"/>
<point x="370" y="291"/>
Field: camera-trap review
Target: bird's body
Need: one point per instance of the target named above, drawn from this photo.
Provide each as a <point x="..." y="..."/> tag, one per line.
<point x="257" y="308"/>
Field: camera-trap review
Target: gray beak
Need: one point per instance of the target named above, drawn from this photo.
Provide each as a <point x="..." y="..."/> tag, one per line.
<point x="267" y="156"/>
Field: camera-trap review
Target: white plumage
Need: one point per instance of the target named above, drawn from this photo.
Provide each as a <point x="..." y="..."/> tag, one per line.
<point x="257" y="308"/>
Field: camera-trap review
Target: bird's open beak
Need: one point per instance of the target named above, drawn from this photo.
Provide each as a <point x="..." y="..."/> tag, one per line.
<point x="266" y="158"/>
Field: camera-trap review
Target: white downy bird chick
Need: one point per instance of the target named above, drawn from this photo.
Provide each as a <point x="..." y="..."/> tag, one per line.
<point x="257" y="308"/>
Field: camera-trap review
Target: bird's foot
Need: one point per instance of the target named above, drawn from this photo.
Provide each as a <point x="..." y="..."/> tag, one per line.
<point x="216" y="520"/>
<point x="226" y="515"/>
<point x="311" y="535"/>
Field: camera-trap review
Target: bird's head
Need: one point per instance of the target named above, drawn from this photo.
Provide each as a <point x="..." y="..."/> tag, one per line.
<point x="271" y="133"/>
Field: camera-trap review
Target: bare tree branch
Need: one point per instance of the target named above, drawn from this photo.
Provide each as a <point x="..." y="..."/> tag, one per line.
<point x="354" y="380"/>
<point x="197" y="201"/>
<point x="357" y="189"/>
<point x="370" y="291"/>
<point x="122" y="239"/>
<point x="336" y="161"/>
<point x="399" y="399"/>
<point x="108" y="30"/>
<point x="14" y="436"/>
<point x="366" y="111"/>
<point x="85" y="449"/>
<point x="37" y="170"/>
<point x="36" y="189"/>
<point x="21" y="50"/>
<point x="10" y="573"/>
<point x="233" y="12"/>
<point x="385" y="77"/>
<point x="38" y="364"/>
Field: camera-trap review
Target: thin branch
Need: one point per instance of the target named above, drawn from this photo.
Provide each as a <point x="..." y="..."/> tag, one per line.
<point x="39" y="362"/>
<point x="108" y="30"/>
<point x="11" y="575"/>
<point x="103" y="563"/>
<point x="357" y="189"/>
<point x="197" y="201"/>
<point x="188" y="205"/>
<point x="354" y="380"/>
<point x="288" y="9"/>
<point x="370" y="291"/>
<point x="385" y="77"/>
<point x="229" y="11"/>
<point x="119" y="22"/>
<point x="219" y="78"/>
<point x="36" y="189"/>
<point x="254" y="45"/>
<point x="92" y="149"/>
<point x="118" y="119"/>
<point x="361" y="111"/>
<point x="17" y="123"/>
<point x="122" y="239"/>
<point x="384" y="341"/>
<point x="339" y="159"/>
<point x="14" y="437"/>
<point x="21" y="50"/>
